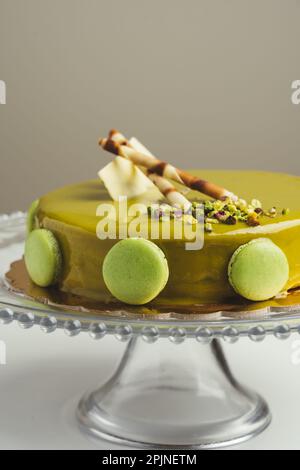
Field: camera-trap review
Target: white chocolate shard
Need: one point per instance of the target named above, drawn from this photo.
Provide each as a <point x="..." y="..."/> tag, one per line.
<point x="122" y="178"/>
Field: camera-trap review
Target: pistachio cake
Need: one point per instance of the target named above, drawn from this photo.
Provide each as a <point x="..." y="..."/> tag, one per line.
<point x="200" y="276"/>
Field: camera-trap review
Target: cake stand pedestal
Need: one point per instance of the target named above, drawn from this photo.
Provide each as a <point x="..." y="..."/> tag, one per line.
<point x="173" y="387"/>
<point x="165" y="395"/>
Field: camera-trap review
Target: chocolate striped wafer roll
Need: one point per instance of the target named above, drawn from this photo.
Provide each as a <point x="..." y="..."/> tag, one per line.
<point x="115" y="144"/>
<point x="166" y="188"/>
<point x="174" y="197"/>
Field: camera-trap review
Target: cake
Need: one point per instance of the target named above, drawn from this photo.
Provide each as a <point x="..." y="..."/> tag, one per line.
<point x="200" y="276"/>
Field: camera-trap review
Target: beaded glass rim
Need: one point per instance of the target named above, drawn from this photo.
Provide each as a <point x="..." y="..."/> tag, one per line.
<point x="256" y="325"/>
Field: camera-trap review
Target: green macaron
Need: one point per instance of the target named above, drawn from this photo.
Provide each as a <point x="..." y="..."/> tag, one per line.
<point x="135" y="271"/>
<point x="31" y="220"/>
<point x="258" y="270"/>
<point x="43" y="257"/>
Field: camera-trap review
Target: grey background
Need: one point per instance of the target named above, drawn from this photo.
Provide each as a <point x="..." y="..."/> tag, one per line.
<point x="203" y="83"/>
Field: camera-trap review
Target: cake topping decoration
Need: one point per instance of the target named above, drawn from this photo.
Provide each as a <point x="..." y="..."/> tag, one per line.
<point x="214" y="212"/>
<point x="122" y="178"/>
<point x="208" y="227"/>
<point x="135" y="270"/>
<point x="43" y="257"/>
<point x="117" y="144"/>
<point x="258" y="270"/>
<point x="164" y="185"/>
<point x="225" y="207"/>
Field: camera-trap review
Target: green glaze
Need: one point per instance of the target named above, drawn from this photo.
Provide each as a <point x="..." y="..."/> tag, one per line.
<point x="195" y="276"/>
<point x="258" y="270"/>
<point x="135" y="271"/>
<point x="43" y="257"/>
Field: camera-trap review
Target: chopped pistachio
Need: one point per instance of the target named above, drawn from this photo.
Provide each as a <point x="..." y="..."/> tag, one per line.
<point x="218" y="205"/>
<point x="258" y="210"/>
<point x="231" y="220"/>
<point x="208" y="207"/>
<point x="221" y="216"/>
<point x="242" y="204"/>
<point x="225" y="211"/>
<point x="272" y="212"/>
<point x="231" y="208"/>
<point x="256" y="204"/>
<point x="212" y="221"/>
<point x="208" y="227"/>
<point x="252" y="220"/>
<point x="285" y="211"/>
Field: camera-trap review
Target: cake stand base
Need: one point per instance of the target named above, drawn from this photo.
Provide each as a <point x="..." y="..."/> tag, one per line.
<point x="164" y="395"/>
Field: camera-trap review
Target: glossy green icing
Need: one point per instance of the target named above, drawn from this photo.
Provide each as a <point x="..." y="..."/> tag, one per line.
<point x="195" y="276"/>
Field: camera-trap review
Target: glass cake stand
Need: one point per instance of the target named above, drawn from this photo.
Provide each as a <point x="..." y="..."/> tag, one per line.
<point x="173" y="387"/>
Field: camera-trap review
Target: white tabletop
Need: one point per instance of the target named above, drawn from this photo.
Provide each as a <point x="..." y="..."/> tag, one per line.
<point x="45" y="376"/>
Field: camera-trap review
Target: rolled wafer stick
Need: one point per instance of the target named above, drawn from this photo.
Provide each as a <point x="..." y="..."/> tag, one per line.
<point x="174" y="197"/>
<point x="116" y="145"/>
<point x="138" y="158"/>
<point x="139" y="147"/>
<point x="165" y="187"/>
